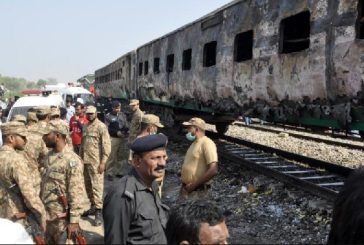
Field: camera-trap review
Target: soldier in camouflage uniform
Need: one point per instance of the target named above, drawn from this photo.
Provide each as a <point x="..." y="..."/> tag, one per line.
<point x="55" y="115"/>
<point x="95" y="150"/>
<point x="43" y="115"/>
<point x="135" y="120"/>
<point x="31" y="119"/>
<point x="17" y="194"/>
<point x="118" y="126"/>
<point x="62" y="183"/>
<point x="134" y="124"/>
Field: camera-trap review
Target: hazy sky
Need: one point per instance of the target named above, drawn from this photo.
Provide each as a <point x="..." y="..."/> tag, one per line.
<point x="66" y="39"/>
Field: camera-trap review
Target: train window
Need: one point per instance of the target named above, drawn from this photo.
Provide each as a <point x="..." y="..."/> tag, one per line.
<point x="156" y="66"/>
<point x="243" y="46"/>
<point x="146" y="67"/>
<point x="140" y="68"/>
<point x="123" y="62"/>
<point x="170" y="63"/>
<point x="295" y="33"/>
<point x="209" y="54"/>
<point x="360" y="21"/>
<point x="186" y="59"/>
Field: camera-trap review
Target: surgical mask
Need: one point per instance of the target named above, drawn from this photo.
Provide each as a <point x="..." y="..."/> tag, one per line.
<point x="190" y="137"/>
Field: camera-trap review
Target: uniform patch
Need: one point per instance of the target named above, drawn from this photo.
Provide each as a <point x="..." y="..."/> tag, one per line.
<point x="73" y="164"/>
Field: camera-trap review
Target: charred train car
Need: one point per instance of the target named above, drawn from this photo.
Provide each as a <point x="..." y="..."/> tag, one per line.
<point x="299" y="62"/>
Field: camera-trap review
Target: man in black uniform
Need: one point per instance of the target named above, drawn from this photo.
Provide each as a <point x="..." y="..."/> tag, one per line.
<point x="133" y="212"/>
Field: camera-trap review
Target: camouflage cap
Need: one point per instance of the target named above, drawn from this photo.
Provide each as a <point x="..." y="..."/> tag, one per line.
<point x="134" y="102"/>
<point x="55" y="126"/>
<point x="152" y="119"/>
<point x="19" y="118"/>
<point x="42" y="110"/>
<point x="32" y="116"/>
<point x="14" y="127"/>
<point x="91" y="109"/>
<point x="197" y="122"/>
<point x="55" y="111"/>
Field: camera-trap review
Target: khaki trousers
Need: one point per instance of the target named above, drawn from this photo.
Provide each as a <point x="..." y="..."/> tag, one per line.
<point x="94" y="184"/>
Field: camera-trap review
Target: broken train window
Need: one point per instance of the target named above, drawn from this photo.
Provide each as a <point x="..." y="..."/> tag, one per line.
<point x="146" y="67"/>
<point x="140" y="68"/>
<point x="170" y="63"/>
<point x="243" y="46"/>
<point x="209" y="54"/>
<point x="360" y="20"/>
<point x="295" y="33"/>
<point x="186" y="59"/>
<point x="156" y="66"/>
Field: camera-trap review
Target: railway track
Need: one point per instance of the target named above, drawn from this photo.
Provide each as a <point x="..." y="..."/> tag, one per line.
<point x="312" y="138"/>
<point x="320" y="178"/>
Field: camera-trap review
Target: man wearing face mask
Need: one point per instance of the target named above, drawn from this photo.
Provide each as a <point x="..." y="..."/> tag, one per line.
<point x="95" y="150"/>
<point x="118" y="127"/>
<point x="200" y="163"/>
<point x="149" y="126"/>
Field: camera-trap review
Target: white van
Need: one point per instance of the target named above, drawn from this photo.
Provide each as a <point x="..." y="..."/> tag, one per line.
<point x="77" y="92"/>
<point x="23" y="104"/>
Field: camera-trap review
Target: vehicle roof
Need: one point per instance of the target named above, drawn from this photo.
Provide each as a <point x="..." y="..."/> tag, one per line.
<point x="74" y="90"/>
<point x="38" y="101"/>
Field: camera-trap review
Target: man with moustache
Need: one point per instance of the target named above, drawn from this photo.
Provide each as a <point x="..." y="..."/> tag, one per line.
<point x="133" y="212"/>
<point x="95" y="150"/>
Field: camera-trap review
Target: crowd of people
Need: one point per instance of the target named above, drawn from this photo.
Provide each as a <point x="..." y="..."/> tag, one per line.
<point x="54" y="155"/>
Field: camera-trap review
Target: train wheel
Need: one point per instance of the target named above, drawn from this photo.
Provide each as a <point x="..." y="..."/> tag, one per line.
<point x="221" y="128"/>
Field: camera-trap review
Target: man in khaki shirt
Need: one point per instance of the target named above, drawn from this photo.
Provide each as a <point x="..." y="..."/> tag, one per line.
<point x="200" y="163"/>
<point x="95" y="150"/>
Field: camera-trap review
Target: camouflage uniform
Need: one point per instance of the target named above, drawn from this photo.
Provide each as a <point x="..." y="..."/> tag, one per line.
<point x="62" y="176"/>
<point x="135" y="125"/>
<point x="17" y="193"/>
<point x="95" y="147"/>
<point x="117" y="162"/>
<point x="35" y="150"/>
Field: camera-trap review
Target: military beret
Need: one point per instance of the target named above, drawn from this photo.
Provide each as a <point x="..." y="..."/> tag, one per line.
<point x="19" y="118"/>
<point x="91" y="109"/>
<point x="152" y="119"/>
<point x="57" y="126"/>
<point x="149" y="143"/>
<point x="14" y="127"/>
<point x="42" y="110"/>
<point x="134" y="102"/>
<point x="115" y="103"/>
<point x="32" y="116"/>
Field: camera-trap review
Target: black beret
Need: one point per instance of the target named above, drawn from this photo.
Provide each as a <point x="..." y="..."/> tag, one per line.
<point x="115" y="103"/>
<point x="149" y="143"/>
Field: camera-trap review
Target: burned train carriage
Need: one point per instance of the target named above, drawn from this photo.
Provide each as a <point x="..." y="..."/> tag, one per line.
<point x="286" y="61"/>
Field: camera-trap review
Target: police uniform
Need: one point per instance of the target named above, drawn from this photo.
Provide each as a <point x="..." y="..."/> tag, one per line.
<point x="134" y="213"/>
<point x="17" y="194"/>
<point x="95" y="147"/>
<point x="117" y="162"/>
<point x="63" y="176"/>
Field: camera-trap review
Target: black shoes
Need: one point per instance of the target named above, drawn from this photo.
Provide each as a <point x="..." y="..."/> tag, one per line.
<point x="91" y="211"/>
<point x="98" y="217"/>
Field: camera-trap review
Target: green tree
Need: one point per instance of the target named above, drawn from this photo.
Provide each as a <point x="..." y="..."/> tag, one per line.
<point x="41" y="83"/>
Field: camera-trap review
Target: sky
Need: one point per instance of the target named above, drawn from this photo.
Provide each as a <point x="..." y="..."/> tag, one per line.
<point x="67" y="39"/>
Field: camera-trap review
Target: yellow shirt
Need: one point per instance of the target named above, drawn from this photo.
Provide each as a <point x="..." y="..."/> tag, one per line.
<point x="199" y="155"/>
